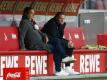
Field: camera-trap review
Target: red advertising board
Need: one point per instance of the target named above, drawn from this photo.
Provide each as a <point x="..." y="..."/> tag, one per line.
<point x="89" y="61"/>
<point x="16" y="74"/>
<point x="41" y="64"/>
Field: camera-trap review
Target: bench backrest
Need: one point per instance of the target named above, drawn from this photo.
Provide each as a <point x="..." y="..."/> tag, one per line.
<point x="76" y="35"/>
<point x="9" y="37"/>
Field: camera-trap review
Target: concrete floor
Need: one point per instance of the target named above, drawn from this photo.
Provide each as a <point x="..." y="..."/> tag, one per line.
<point x="98" y="76"/>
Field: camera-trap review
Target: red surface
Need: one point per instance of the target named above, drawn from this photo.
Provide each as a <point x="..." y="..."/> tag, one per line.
<point x="50" y="65"/>
<point x="9" y="38"/>
<point x="85" y="51"/>
<point x="19" y="52"/>
<point x="16" y="74"/>
<point x="102" y="39"/>
<point x="76" y="36"/>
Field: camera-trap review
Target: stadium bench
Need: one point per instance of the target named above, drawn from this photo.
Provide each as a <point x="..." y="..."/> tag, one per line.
<point x="40" y="62"/>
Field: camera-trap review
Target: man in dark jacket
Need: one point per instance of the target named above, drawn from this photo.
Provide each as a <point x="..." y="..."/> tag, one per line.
<point x="63" y="49"/>
<point x="30" y="38"/>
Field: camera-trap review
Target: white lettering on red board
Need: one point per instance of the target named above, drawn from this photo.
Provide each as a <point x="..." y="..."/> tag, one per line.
<point x="89" y="63"/>
<point x="37" y="64"/>
<point x="8" y="62"/>
<point x="14" y="75"/>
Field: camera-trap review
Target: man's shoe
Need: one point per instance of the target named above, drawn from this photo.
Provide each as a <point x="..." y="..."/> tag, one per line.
<point x="68" y="60"/>
<point x="62" y="73"/>
<point x="70" y="71"/>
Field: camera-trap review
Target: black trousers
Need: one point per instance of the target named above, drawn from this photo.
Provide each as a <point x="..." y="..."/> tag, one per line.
<point x="60" y="51"/>
<point x="42" y="46"/>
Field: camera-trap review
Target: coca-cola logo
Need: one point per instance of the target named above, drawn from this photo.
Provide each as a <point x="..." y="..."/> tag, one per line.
<point x="13" y="75"/>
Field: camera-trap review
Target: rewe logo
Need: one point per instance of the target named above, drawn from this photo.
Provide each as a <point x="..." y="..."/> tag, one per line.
<point x="13" y="75"/>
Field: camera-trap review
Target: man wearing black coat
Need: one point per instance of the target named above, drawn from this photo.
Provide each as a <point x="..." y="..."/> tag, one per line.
<point x="30" y="38"/>
<point x="62" y="49"/>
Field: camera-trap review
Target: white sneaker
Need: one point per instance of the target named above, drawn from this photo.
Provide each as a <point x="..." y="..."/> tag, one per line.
<point x="68" y="70"/>
<point x="61" y="73"/>
<point x="68" y="60"/>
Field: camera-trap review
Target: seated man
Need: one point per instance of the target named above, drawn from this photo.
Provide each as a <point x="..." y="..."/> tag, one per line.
<point x="30" y="38"/>
<point x="63" y="49"/>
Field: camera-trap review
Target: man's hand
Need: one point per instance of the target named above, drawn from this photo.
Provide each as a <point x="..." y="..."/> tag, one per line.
<point x="70" y="44"/>
<point x="46" y="39"/>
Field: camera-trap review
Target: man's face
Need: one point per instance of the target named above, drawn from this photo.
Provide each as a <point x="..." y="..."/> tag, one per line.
<point x="61" y="19"/>
<point x="31" y="14"/>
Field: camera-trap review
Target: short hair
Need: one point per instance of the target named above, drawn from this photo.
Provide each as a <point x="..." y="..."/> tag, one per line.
<point x="58" y="14"/>
<point x="27" y="10"/>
